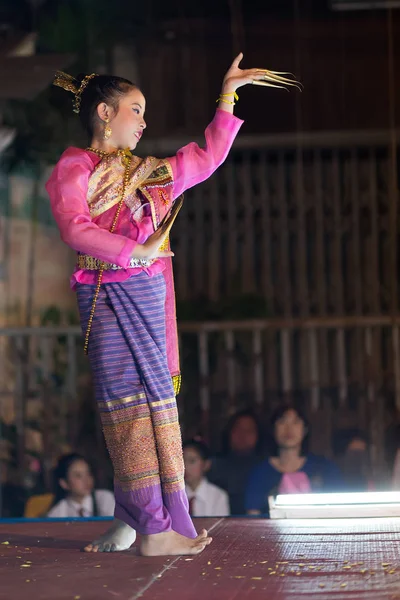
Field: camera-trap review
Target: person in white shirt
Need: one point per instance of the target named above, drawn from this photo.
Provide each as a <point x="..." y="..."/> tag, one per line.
<point x="75" y="495"/>
<point x="205" y="498"/>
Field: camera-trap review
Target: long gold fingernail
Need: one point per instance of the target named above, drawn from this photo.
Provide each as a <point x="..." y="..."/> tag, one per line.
<point x="266" y="84"/>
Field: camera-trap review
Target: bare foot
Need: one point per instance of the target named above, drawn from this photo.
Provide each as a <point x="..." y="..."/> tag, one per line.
<point x="119" y="536"/>
<point x="171" y="543"/>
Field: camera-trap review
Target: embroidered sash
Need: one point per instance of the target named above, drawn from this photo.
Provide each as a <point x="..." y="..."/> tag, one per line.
<point x="154" y="179"/>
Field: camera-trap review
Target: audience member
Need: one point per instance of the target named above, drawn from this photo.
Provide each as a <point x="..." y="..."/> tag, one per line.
<point x="20" y="484"/>
<point x="241" y="451"/>
<point x="352" y="450"/>
<point x="205" y="498"/>
<point x="290" y="469"/>
<point x="75" y="495"/>
<point x="13" y="495"/>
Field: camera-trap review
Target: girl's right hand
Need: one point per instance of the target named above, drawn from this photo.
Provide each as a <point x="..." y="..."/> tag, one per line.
<point x="151" y="248"/>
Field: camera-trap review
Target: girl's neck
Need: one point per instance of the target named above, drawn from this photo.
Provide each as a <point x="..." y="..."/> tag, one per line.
<point x="103" y="146"/>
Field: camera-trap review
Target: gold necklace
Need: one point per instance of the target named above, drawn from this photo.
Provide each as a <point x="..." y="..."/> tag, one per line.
<point x="103" y="153"/>
<point x="99" y="152"/>
<point x="125" y="154"/>
<point x="127" y="158"/>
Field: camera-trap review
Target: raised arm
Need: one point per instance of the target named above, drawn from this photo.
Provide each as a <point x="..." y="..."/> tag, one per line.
<point x="192" y="164"/>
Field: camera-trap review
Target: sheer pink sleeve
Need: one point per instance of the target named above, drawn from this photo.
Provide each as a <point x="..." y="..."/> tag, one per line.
<point x="67" y="188"/>
<point x="192" y="164"/>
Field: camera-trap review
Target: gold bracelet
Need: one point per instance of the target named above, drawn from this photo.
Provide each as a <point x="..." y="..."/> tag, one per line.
<point x="223" y="96"/>
<point x="234" y="94"/>
<point x="226" y="101"/>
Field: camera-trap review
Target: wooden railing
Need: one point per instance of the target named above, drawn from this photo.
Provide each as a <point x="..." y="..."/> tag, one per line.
<point x="345" y="371"/>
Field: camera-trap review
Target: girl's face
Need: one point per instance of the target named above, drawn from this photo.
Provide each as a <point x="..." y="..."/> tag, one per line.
<point x="290" y="430"/>
<point x="127" y="124"/>
<point x="195" y="466"/>
<point x="79" y="481"/>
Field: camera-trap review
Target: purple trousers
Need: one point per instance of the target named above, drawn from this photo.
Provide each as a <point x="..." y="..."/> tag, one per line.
<point x="135" y="396"/>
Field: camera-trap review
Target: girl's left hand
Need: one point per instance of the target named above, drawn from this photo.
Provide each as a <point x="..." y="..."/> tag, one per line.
<point x="236" y="77"/>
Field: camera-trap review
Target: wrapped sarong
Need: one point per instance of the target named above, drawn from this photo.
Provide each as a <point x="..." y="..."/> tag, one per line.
<point x="136" y="400"/>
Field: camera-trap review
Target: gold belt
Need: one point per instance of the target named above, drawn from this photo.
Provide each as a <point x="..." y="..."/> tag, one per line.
<point x="90" y="263"/>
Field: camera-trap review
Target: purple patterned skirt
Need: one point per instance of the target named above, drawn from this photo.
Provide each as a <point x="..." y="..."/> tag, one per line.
<point x="135" y="396"/>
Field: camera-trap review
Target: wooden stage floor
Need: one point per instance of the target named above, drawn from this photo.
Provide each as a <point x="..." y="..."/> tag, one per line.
<point x="248" y="559"/>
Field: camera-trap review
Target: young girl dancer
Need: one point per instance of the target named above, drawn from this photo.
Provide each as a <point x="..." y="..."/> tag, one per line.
<point x="113" y="208"/>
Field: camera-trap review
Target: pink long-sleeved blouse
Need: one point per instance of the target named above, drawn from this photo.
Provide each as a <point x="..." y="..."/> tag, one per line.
<point x="68" y="185"/>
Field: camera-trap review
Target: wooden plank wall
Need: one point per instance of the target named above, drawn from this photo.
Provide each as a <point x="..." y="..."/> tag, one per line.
<point x="343" y="63"/>
<point x="311" y="233"/>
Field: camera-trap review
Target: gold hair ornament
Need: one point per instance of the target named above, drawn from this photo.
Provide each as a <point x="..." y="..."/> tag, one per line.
<point x="70" y="84"/>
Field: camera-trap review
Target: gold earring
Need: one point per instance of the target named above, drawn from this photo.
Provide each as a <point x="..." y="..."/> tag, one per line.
<point x="107" y="130"/>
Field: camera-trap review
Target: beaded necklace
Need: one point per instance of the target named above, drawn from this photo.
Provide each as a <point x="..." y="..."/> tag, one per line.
<point x="125" y="154"/>
<point x="126" y="160"/>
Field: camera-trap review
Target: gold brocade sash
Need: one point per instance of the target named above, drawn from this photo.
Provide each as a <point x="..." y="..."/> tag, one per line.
<point x="105" y="183"/>
<point x="153" y="177"/>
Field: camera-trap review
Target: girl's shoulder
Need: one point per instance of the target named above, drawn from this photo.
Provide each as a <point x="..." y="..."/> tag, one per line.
<point x="73" y="155"/>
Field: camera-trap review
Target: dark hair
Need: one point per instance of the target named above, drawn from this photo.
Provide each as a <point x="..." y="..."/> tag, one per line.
<point x="61" y="472"/>
<point x="226" y="435"/>
<point x="343" y="438"/>
<point x="277" y="415"/>
<point x="102" y="88"/>
<point x="199" y="446"/>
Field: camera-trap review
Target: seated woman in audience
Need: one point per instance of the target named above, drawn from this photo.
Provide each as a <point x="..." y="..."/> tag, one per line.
<point x="75" y="495"/>
<point x="205" y="498"/>
<point x="241" y="452"/>
<point x="290" y="469"/>
<point x="352" y="456"/>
